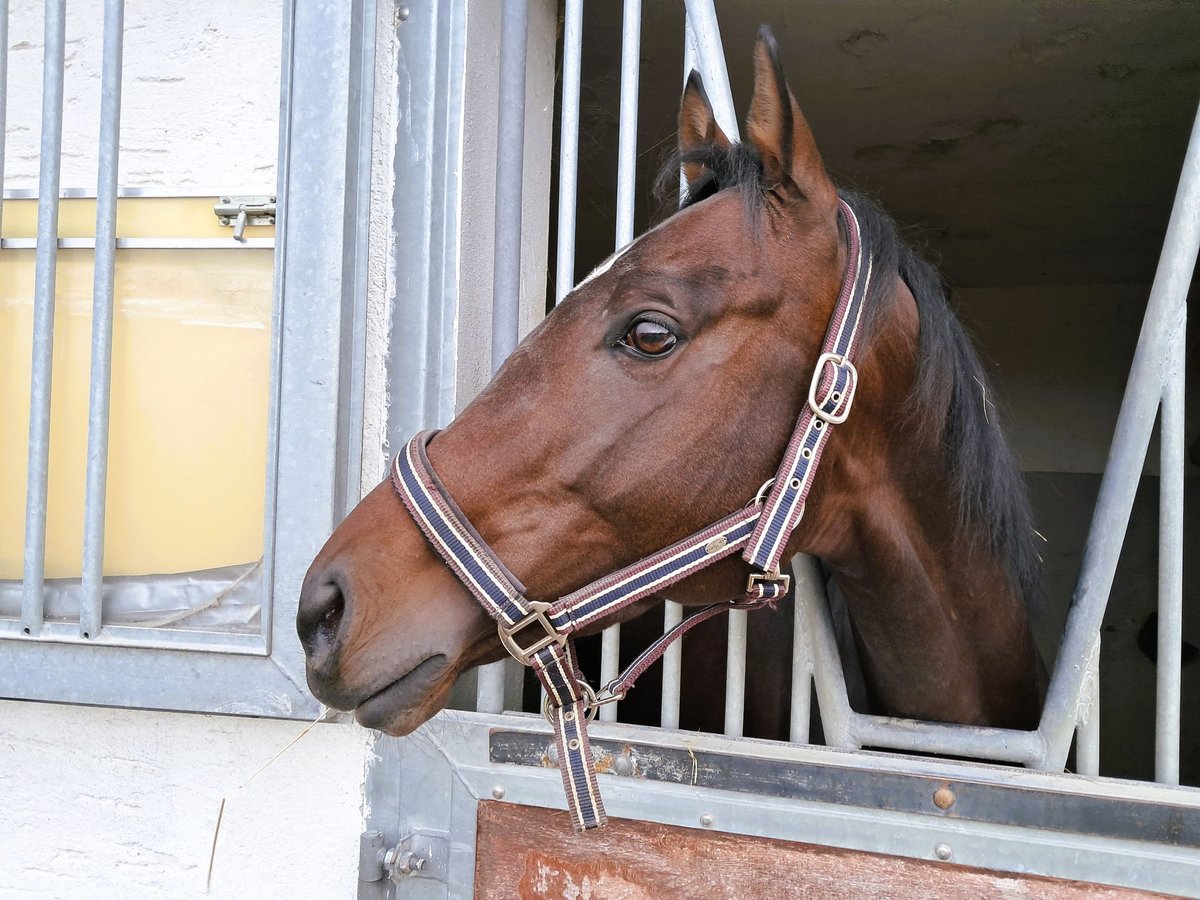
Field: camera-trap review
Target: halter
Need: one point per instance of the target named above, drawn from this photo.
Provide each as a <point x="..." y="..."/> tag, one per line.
<point x="539" y="634"/>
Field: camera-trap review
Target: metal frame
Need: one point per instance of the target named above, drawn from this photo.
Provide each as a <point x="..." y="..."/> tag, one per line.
<point x="327" y="87"/>
<point x="430" y="784"/>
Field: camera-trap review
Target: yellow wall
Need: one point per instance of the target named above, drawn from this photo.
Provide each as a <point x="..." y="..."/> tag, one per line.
<point x="191" y="361"/>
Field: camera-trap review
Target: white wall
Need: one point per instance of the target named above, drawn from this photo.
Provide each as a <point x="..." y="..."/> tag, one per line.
<point x="119" y="803"/>
<point x="200" y="94"/>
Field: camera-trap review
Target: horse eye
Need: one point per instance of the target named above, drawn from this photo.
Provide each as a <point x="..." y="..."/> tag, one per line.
<point x="650" y="338"/>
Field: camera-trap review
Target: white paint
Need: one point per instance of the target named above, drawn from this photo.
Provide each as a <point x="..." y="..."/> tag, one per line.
<point x="200" y="94"/>
<point x="113" y="803"/>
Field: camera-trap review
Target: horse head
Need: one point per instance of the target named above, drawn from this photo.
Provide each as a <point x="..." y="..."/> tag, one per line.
<point x="655" y="399"/>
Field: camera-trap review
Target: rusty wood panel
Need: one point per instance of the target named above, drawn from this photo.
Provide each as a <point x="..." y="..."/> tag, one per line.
<point x="1162" y="823"/>
<point x="528" y="852"/>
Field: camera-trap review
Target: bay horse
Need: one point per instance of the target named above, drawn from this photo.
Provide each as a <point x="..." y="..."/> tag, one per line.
<point x="658" y="397"/>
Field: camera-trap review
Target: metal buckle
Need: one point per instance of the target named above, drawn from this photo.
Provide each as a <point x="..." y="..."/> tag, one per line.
<point x="537" y="614"/>
<point x="770" y="578"/>
<point x="590" y="704"/>
<point x="833" y="418"/>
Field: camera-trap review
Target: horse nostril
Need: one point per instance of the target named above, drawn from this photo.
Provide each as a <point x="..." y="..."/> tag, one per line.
<point x="320" y="617"/>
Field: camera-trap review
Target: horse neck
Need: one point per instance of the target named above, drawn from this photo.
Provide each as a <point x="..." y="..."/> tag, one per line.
<point x="941" y="631"/>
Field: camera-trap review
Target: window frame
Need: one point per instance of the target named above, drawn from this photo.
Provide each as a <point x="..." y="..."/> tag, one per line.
<point x="315" y="407"/>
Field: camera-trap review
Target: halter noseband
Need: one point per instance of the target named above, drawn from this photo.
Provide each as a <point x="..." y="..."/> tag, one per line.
<point x="539" y="634"/>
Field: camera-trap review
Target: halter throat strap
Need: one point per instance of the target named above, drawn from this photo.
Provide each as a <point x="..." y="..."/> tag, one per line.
<point x="539" y="634"/>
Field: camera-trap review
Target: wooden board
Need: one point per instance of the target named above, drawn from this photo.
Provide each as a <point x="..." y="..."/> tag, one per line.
<point x="528" y="852"/>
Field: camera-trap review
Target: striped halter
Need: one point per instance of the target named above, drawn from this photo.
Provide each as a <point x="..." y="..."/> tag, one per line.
<point x="539" y="634"/>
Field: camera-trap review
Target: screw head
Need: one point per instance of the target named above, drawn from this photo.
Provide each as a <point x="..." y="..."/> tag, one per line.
<point x="707" y="820"/>
<point x="942" y="852"/>
<point x="622" y="764"/>
<point x="498" y="792"/>
<point x="943" y="798"/>
<point x="402" y="13"/>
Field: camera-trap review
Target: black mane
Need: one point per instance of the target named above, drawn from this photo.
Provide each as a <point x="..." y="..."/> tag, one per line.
<point x="951" y="397"/>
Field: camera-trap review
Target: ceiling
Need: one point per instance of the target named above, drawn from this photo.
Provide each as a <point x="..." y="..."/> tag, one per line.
<point x="1021" y="143"/>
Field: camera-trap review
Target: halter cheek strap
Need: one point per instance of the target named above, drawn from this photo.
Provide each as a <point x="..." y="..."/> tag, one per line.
<point x="538" y="634"/>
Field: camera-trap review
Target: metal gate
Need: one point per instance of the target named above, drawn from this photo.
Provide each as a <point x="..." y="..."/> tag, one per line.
<point x="425" y="791"/>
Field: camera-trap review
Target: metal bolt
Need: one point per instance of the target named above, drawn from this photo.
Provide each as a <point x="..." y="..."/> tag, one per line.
<point x="942" y="852"/>
<point x="402" y="13"/>
<point x="622" y="764"/>
<point x="707" y="820"/>
<point x="552" y="753"/>
<point x="224" y="220"/>
<point x="498" y="792"/>
<point x="224" y="199"/>
<point x="943" y="798"/>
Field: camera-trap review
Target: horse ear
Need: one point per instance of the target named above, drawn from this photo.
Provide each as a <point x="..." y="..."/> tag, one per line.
<point x="779" y="131"/>
<point x="698" y="131"/>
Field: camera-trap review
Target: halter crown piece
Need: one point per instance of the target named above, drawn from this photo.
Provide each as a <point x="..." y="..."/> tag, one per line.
<point x="539" y="634"/>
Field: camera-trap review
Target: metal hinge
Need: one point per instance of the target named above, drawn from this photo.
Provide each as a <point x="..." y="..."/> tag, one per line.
<point x="422" y="854"/>
<point x="242" y="211"/>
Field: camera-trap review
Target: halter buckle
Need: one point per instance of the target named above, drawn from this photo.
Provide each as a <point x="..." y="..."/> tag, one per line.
<point x="775" y="578"/>
<point x="839" y="361"/>
<point x="537" y="614"/>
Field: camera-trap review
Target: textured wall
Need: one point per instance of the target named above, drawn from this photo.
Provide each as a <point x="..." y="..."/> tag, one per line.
<point x="200" y="94"/>
<point x="117" y="803"/>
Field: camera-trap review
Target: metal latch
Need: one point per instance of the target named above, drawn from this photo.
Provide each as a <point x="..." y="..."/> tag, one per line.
<point x="242" y="211"/>
<point x="422" y="854"/>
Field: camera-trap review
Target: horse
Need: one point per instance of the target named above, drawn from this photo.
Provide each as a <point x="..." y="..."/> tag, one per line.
<point x="659" y="396"/>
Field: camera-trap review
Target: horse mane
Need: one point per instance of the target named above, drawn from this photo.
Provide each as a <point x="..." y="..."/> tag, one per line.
<point x="950" y="397"/>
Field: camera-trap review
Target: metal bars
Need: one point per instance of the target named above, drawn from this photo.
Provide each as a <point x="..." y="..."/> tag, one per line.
<point x="37" y="477"/>
<point x="1170" y="563"/>
<point x="3" y="96"/>
<point x="506" y="272"/>
<point x="102" y="320"/>
<point x="568" y="150"/>
<point x="631" y="42"/>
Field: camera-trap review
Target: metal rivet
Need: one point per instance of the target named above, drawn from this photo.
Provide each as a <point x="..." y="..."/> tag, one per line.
<point x="835" y="396"/>
<point x="569" y="715"/>
<point x="402" y="13"/>
<point x="942" y="851"/>
<point x="552" y="753"/>
<point x="796" y="481"/>
<point x="622" y="764"/>
<point x="498" y="792"/>
<point x="806" y="453"/>
<point x="819" y="424"/>
<point x="707" y="820"/>
<point x="943" y="798"/>
<point x="573" y="744"/>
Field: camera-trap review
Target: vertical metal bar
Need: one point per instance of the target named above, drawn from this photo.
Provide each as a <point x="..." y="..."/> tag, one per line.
<point x="672" y="667"/>
<point x="710" y="54"/>
<point x="1164" y="311"/>
<point x="568" y="150"/>
<point x="735" y="674"/>
<point x="506" y="269"/>
<point x="829" y="679"/>
<point x="1170" y="565"/>
<point x="3" y="96"/>
<point x="43" y="318"/>
<point x="631" y="40"/>
<point x="102" y="321"/>
<point x="689" y="63"/>
<point x="1087" y="732"/>
<point x="802" y="673"/>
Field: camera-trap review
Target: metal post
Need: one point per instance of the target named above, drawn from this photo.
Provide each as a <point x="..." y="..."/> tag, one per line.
<point x="710" y="54"/>
<point x="735" y="674"/>
<point x="802" y="673"/>
<point x="689" y="63"/>
<point x="1087" y="731"/>
<point x="1170" y="564"/>
<point x="631" y="40"/>
<point x="1164" y="312"/>
<point x="672" y="667"/>
<point x="3" y="96"/>
<point x="568" y="150"/>
<point x="43" y="318"/>
<point x="506" y="271"/>
<point x="813" y="610"/>
<point x="102" y="321"/>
